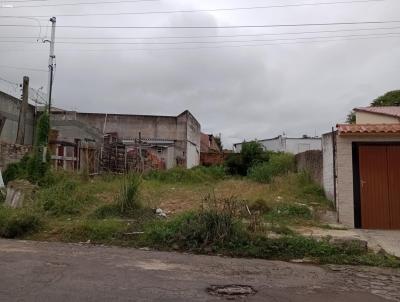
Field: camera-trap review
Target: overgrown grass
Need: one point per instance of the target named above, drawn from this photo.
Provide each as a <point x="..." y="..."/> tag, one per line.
<point x="17" y="223"/>
<point x="128" y="199"/>
<point x="278" y="164"/>
<point x="97" y="231"/>
<point x="64" y="198"/>
<point x="213" y="232"/>
<point x="195" y="175"/>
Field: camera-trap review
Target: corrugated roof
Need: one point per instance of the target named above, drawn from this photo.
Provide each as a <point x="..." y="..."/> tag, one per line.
<point x="344" y="129"/>
<point x="385" y="110"/>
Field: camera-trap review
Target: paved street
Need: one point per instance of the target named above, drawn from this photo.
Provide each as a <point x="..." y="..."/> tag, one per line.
<point x="33" y="271"/>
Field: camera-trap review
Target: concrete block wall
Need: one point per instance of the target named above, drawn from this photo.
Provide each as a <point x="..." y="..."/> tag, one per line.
<point x="311" y="162"/>
<point x="9" y="109"/>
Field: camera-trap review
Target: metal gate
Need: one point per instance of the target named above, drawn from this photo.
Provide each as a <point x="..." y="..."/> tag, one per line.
<point x="379" y="186"/>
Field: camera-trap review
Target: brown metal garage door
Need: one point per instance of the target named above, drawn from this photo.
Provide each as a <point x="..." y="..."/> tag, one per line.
<point x="379" y="168"/>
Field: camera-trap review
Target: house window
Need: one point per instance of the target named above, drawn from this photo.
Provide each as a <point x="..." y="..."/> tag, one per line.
<point x="160" y="149"/>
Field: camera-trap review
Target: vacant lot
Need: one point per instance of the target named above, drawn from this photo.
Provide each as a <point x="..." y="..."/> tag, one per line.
<point x="206" y="211"/>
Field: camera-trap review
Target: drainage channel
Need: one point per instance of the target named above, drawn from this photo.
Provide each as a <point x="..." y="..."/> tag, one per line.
<point x="232" y="291"/>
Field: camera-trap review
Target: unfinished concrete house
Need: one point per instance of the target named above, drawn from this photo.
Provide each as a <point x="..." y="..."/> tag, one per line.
<point x="10" y="108"/>
<point x="129" y="142"/>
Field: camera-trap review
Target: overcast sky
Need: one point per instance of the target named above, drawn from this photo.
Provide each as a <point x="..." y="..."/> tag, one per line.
<point x="242" y="92"/>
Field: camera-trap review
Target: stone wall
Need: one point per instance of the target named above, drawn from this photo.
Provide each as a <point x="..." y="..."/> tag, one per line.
<point x="11" y="153"/>
<point x="311" y="162"/>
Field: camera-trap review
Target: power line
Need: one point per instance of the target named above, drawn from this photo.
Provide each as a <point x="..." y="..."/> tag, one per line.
<point x="210" y="27"/>
<point x="80" y="3"/>
<point x="209" y="36"/>
<point x="9" y="82"/>
<point x="191" y="10"/>
<point x="214" y="47"/>
<point x="212" y="42"/>
<point x="23" y="68"/>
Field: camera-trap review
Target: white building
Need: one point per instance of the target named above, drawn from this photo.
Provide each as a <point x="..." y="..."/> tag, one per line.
<point x="287" y="144"/>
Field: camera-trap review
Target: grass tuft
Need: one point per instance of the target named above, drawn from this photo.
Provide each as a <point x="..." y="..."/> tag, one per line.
<point x="17" y="222"/>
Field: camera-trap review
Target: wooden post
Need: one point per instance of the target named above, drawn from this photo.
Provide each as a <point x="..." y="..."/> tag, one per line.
<point x="22" y="113"/>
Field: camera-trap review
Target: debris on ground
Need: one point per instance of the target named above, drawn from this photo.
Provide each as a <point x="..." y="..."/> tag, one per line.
<point x="19" y="192"/>
<point x="161" y="213"/>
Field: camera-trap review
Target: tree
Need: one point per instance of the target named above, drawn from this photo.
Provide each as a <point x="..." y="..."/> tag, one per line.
<point x="252" y="153"/>
<point x="391" y="98"/>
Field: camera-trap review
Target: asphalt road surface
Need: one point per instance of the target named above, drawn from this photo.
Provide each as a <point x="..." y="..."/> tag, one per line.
<point x="38" y="271"/>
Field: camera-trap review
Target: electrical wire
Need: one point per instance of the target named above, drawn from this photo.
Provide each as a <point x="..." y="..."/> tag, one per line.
<point x="60" y="50"/>
<point x="24" y="68"/>
<point x="207" y="36"/>
<point x="81" y="3"/>
<point x="204" y="10"/>
<point x="210" y="42"/>
<point x="211" y="27"/>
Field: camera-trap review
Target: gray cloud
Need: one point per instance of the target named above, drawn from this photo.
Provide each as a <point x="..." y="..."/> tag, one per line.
<point x="243" y="93"/>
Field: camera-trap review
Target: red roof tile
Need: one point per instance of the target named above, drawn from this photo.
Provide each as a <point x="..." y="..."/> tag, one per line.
<point x="385" y="110"/>
<point x="344" y="129"/>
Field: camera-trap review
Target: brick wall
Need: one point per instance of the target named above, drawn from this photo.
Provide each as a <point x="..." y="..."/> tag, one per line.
<point x="212" y="159"/>
<point x="11" y="153"/>
<point x="311" y="162"/>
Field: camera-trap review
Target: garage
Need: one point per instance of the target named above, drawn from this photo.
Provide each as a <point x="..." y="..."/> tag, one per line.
<point x="377" y="185"/>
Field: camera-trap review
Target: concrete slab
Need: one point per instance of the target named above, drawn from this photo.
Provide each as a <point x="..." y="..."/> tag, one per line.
<point x="389" y="241"/>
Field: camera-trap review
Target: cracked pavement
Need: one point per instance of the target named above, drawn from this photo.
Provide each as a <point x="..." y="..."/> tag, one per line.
<point x="40" y="271"/>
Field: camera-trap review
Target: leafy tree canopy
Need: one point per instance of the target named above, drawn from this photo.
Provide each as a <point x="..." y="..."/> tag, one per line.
<point x="391" y="98"/>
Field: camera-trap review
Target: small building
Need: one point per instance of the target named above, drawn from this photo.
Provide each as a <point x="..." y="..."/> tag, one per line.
<point x="362" y="169"/>
<point x="287" y="144"/>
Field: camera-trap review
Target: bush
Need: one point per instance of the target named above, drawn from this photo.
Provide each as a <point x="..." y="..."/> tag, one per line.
<point x="128" y="199"/>
<point x="278" y="164"/>
<point x="16" y="170"/>
<point x="63" y="198"/>
<point x="195" y="231"/>
<point x="220" y="233"/>
<point x="17" y="222"/>
<point x="252" y="153"/>
<point x="181" y="175"/>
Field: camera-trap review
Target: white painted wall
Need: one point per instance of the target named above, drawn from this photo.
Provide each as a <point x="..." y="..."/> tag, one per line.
<point x="290" y="145"/>
<point x="192" y="156"/>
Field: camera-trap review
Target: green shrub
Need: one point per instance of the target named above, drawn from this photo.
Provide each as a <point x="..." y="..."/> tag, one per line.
<point x="278" y="164"/>
<point x="63" y="198"/>
<point x="17" y="222"/>
<point x="128" y="199"/>
<point x="97" y="231"/>
<point x="16" y="170"/>
<point x="196" y="230"/>
<point x="251" y="154"/>
<point x="181" y="175"/>
<point x="36" y="167"/>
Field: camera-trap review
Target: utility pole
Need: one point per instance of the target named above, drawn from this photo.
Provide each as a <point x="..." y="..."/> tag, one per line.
<point x="22" y="112"/>
<point x="51" y="62"/>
